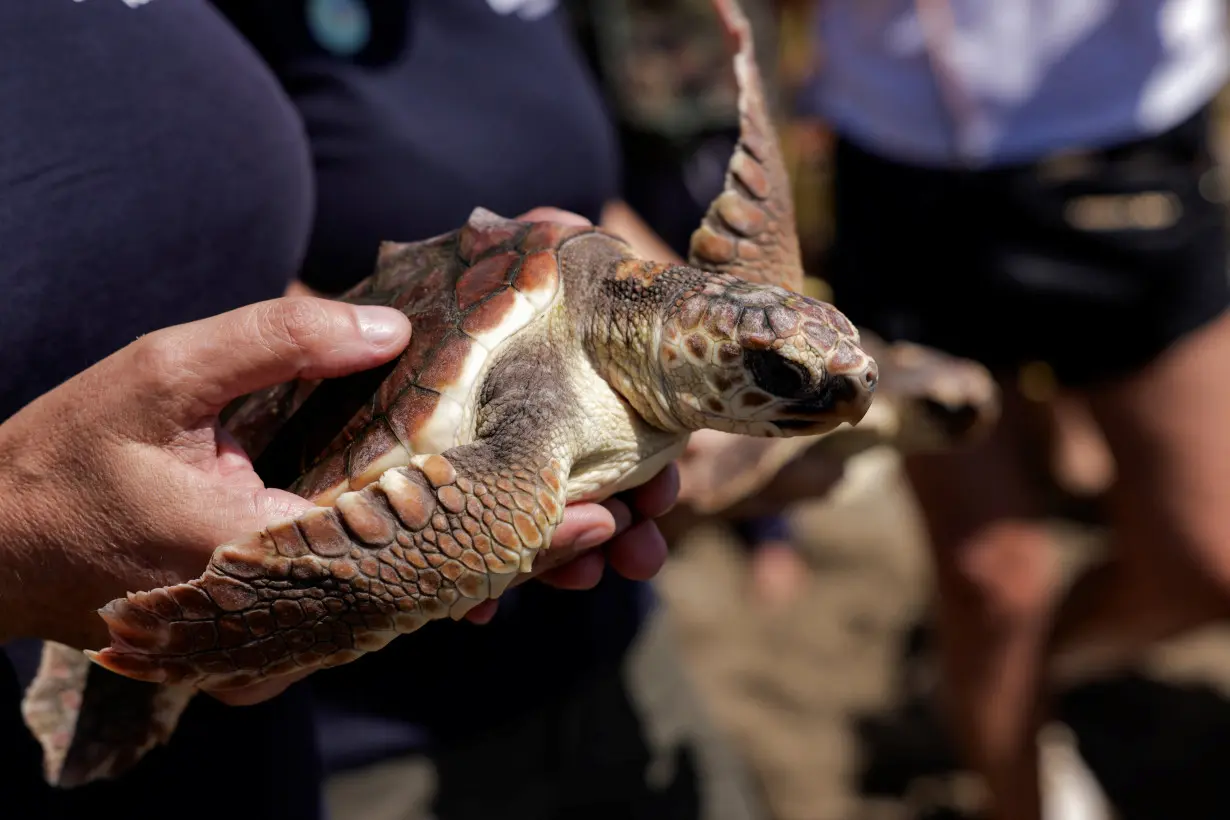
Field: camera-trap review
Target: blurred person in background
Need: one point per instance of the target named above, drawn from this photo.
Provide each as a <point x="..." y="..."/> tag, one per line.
<point x="1028" y="182"/>
<point x="158" y="183"/>
<point x="566" y="703"/>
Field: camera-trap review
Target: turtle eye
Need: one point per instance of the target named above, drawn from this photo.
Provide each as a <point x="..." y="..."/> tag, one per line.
<point x="777" y="375"/>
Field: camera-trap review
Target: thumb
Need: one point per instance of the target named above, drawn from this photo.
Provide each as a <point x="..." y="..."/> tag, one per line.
<point x="544" y="214"/>
<point x="197" y="368"/>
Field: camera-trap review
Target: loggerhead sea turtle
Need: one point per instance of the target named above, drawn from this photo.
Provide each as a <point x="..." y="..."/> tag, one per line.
<point x="549" y="364"/>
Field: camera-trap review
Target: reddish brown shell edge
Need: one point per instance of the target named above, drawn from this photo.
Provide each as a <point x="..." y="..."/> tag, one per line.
<point x="464" y="293"/>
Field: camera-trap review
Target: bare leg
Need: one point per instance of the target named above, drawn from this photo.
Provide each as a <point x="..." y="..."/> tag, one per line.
<point x="1169" y="429"/>
<point x="994" y="572"/>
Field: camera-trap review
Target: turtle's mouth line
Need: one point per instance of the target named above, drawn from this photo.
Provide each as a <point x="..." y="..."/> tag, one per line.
<point x="808" y="427"/>
<point x="796" y="424"/>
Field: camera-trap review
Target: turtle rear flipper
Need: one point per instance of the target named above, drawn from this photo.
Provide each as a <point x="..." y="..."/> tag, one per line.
<point x="938" y="401"/>
<point x="92" y="723"/>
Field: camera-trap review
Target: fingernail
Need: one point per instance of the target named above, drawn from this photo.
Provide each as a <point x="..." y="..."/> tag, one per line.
<point x="591" y="538"/>
<point x="380" y="326"/>
<point x="620" y="512"/>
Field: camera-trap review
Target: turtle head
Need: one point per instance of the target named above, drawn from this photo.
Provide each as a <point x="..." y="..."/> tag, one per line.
<point x="760" y="360"/>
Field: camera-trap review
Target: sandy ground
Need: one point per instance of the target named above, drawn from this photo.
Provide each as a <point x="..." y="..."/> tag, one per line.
<point x="827" y="697"/>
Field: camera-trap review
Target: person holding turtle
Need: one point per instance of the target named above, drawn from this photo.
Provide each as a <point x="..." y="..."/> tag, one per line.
<point x="159" y="186"/>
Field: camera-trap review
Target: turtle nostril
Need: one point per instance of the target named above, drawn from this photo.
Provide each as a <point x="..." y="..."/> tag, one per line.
<point x="871" y="376"/>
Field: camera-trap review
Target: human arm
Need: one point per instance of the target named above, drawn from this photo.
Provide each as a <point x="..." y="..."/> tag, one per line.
<point x="621" y="219"/>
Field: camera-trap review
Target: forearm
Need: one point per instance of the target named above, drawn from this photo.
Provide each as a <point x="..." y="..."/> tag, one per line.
<point x="619" y="218"/>
<point x="16" y="567"/>
<point x="13" y="608"/>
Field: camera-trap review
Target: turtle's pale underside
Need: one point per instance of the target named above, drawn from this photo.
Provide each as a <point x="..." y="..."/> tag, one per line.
<point x="548" y="364"/>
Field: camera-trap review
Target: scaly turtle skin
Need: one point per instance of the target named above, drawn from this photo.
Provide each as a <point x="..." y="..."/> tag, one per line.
<point x="548" y="365"/>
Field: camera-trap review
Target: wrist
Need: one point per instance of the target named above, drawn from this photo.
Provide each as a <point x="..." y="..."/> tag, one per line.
<point x="16" y="570"/>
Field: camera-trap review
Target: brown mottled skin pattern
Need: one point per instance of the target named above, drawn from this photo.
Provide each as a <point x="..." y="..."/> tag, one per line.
<point x="548" y="364"/>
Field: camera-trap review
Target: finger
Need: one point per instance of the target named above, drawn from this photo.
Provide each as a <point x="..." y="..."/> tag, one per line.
<point x="483" y="613"/>
<point x="621" y="513"/>
<point x="231" y="456"/>
<point x="638" y="554"/>
<point x="584" y="526"/>
<point x="200" y="366"/>
<point x="273" y="505"/>
<point x="554" y="215"/>
<point x="583" y="572"/>
<point x="657" y="496"/>
<point x="258" y="692"/>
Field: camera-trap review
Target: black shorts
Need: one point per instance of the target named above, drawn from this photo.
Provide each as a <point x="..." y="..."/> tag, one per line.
<point x="1093" y="263"/>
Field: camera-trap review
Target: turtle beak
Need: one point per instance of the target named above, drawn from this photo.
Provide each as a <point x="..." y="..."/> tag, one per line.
<point x="852" y="393"/>
<point x="845" y="397"/>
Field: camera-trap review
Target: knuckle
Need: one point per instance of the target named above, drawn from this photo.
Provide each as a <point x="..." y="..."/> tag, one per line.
<point x="297" y="322"/>
<point x="156" y="358"/>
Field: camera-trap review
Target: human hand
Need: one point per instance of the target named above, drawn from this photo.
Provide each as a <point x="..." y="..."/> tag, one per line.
<point x="122" y="478"/>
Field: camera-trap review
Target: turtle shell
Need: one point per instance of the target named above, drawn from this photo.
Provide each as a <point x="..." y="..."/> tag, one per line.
<point x="466" y="294"/>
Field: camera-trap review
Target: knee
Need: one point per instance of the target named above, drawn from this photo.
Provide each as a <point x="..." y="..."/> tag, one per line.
<point x="1000" y="574"/>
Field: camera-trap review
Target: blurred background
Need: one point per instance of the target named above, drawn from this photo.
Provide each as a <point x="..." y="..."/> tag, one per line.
<point x="820" y="670"/>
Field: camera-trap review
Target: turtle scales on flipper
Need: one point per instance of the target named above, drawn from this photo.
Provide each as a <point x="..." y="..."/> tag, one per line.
<point x="548" y="364"/>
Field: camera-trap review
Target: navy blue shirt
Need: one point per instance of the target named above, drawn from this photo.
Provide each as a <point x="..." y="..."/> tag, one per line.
<point x="447" y="106"/>
<point x="152" y="172"/>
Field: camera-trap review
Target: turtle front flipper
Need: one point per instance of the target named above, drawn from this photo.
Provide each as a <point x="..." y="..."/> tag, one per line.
<point x="91" y="723"/>
<point x="749" y="230"/>
<point x="424" y="542"/>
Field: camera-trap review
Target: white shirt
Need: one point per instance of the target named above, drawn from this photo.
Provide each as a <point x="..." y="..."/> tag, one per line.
<point x="1031" y="76"/>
